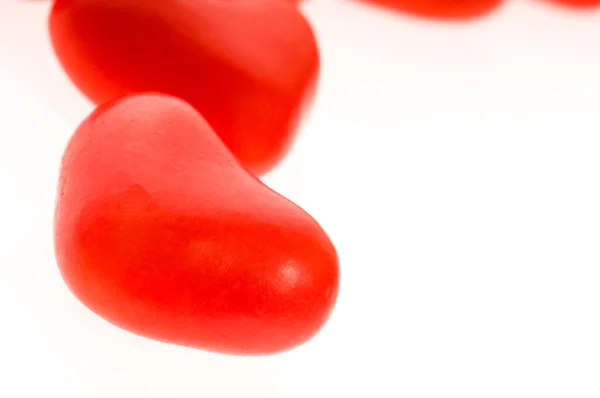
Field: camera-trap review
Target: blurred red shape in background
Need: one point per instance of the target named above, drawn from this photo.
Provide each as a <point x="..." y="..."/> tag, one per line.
<point x="578" y="3"/>
<point x="440" y="9"/>
<point x="249" y="66"/>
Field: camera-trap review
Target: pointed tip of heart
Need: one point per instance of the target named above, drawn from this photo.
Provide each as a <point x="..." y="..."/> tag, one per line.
<point x="161" y="232"/>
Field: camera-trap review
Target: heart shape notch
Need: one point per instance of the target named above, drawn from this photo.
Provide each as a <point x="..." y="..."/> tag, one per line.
<point x="160" y="231"/>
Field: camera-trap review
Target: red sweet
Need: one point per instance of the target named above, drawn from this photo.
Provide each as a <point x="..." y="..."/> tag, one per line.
<point x="578" y="3"/>
<point x="444" y="9"/>
<point x="249" y="66"/>
<point x="160" y="231"/>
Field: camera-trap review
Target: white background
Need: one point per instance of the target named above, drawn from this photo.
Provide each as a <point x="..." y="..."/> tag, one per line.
<point x="455" y="166"/>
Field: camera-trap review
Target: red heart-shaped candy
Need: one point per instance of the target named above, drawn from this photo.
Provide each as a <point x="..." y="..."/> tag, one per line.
<point x="159" y="230"/>
<point x="248" y="66"/>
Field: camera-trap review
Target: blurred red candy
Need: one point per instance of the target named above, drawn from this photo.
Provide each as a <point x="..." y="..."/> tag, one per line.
<point x="442" y="9"/>
<point x="249" y="66"/>
<point x="578" y="3"/>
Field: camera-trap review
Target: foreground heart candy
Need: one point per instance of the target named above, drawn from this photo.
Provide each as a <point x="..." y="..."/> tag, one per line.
<point x="249" y="66"/>
<point x="445" y="9"/>
<point x="160" y="231"/>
